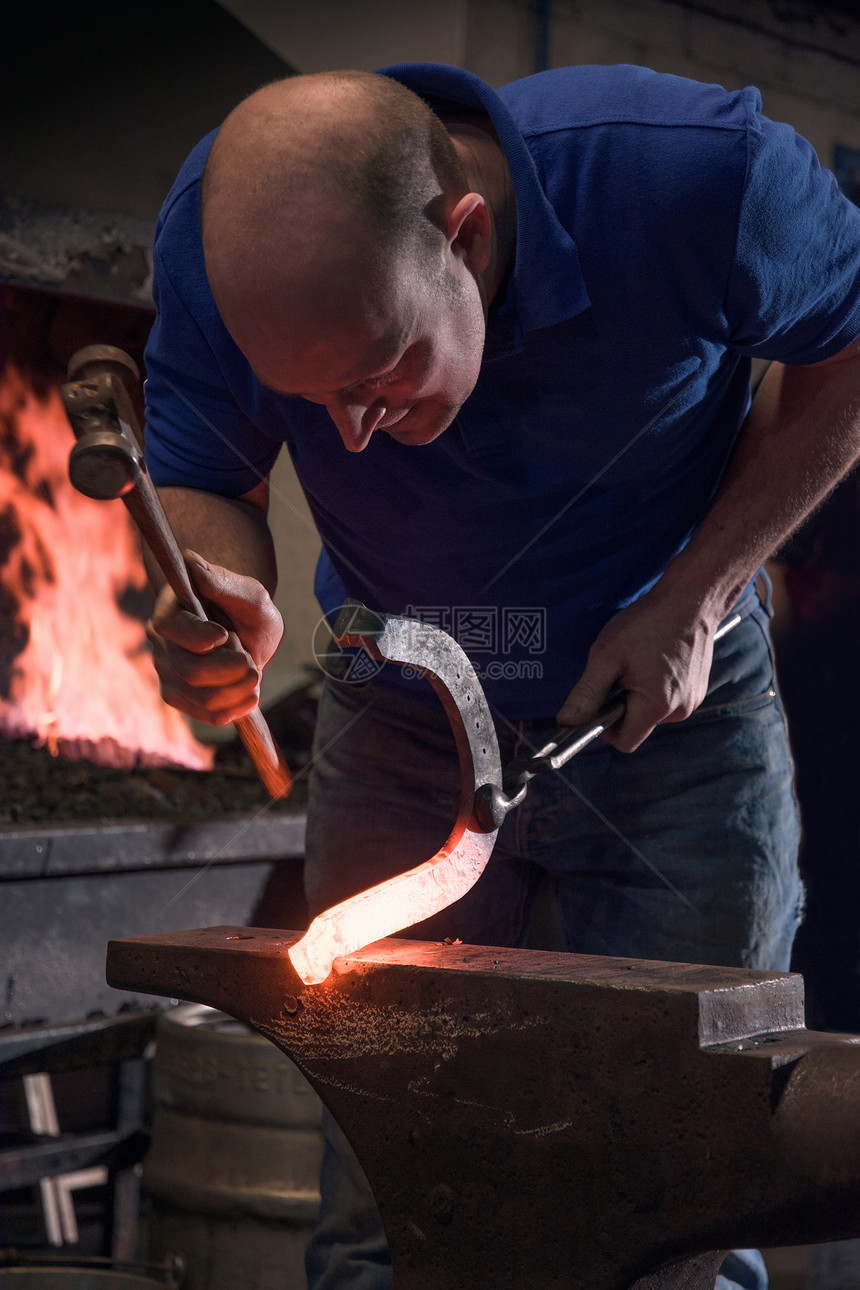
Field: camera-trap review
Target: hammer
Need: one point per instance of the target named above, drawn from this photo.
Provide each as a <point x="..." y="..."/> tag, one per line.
<point x="107" y="462"/>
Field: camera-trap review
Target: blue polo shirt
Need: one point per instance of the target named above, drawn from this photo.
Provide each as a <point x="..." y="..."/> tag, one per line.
<point x="667" y="232"/>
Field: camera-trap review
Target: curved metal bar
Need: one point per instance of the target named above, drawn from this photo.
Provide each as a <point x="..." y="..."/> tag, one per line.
<point x="411" y="897"/>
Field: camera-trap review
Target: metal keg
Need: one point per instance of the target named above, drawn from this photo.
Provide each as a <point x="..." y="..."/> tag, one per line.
<point x="73" y="1278"/>
<point x="47" y="1272"/>
<point x="234" y="1164"/>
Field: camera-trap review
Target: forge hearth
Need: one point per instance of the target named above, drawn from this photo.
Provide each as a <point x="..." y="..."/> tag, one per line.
<point x="38" y="788"/>
<point x="67" y="887"/>
<point x="89" y="852"/>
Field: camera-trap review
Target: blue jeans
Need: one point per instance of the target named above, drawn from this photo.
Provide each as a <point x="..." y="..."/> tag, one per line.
<point x="685" y="850"/>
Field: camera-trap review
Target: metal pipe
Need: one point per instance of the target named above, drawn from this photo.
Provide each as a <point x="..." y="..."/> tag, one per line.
<point x="544" y="35"/>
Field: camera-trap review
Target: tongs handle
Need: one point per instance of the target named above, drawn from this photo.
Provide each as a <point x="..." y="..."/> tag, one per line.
<point x="493" y="803"/>
<point x="569" y="740"/>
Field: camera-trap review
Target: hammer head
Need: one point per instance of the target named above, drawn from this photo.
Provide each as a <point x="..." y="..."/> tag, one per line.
<point x="105" y="462"/>
<point x="98" y="360"/>
<point x="103" y="465"/>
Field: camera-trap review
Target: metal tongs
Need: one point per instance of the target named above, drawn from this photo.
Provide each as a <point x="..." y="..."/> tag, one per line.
<point x="492" y="802"/>
<point x="486" y="796"/>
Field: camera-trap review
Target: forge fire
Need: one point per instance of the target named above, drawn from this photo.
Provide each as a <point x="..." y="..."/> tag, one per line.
<point x="75" y="673"/>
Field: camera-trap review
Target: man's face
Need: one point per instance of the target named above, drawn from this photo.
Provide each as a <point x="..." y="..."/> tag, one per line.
<point x="389" y="353"/>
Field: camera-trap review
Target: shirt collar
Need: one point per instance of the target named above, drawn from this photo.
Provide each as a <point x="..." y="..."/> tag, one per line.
<point x="546" y="285"/>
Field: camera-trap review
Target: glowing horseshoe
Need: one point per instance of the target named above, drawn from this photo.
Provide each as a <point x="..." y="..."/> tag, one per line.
<point x="410" y="897"/>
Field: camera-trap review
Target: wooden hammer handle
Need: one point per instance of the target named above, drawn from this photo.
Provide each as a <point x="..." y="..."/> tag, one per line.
<point x="144" y="505"/>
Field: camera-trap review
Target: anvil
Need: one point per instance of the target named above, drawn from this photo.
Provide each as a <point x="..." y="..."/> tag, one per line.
<point x="552" y="1120"/>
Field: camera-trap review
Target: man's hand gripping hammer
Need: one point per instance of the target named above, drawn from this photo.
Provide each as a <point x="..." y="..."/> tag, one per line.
<point x="106" y="463"/>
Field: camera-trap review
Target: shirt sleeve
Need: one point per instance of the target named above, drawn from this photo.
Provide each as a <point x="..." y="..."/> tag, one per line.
<point x="201" y="428"/>
<point x="794" y="291"/>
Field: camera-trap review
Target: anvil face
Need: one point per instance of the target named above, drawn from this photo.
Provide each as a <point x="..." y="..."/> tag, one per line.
<point x="552" y="1120"/>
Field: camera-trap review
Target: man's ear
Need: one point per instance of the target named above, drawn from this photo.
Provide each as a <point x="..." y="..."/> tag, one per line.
<point x="468" y="232"/>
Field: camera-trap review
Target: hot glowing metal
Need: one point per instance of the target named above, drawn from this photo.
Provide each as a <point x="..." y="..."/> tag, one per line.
<point x="434" y="885"/>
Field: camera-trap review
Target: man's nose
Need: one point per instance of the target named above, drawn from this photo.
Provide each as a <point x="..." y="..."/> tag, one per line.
<point x="356" y="419"/>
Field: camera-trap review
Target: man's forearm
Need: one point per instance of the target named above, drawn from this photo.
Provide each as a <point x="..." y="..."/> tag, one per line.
<point x="801" y="437"/>
<point x="232" y="532"/>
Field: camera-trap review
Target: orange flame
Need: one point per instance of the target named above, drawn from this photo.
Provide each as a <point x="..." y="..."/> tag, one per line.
<point x="77" y="670"/>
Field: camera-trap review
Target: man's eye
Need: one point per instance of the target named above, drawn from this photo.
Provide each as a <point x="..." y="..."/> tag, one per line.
<point x="374" y="381"/>
<point x="389" y="377"/>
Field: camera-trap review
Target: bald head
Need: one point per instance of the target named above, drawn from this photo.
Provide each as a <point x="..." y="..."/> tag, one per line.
<point x="317" y="176"/>
<point x="349" y="258"/>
